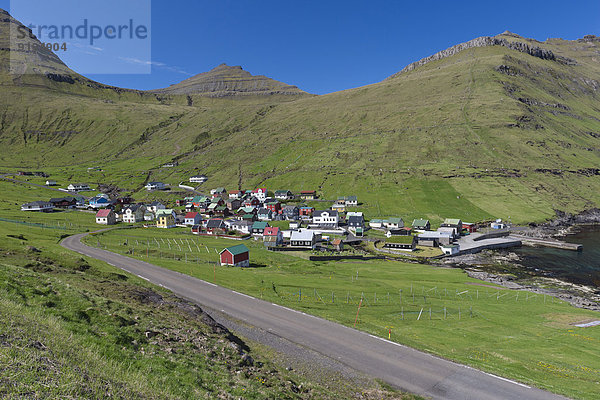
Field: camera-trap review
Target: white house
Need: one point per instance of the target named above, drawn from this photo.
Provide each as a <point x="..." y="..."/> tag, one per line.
<point x="76" y="187"/>
<point x="192" y="218"/>
<point x="284" y="195"/>
<point x="133" y="213"/>
<point x="376" y="223"/>
<point x="354" y="214"/>
<point x="393" y="223"/>
<point x="295" y="224"/>
<point x="155" y="186"/>
<point x="235" y="194"/>
<point x="106" y="217"/>
<point x="350" y="200"/>
<point x="198" y="179"/>
<point x="498" y="224"/>
<point x="326" y="219"/>
<point x="451" y="230"/>
<point x="450" y="249"/>
<point x="304" y="238"/>
<point x="50" y="183"/>
<point x="155" y="206"/>
<point x="241" y="226"/>
<point x="37" y="206"/>
<point x="260" y="194"/>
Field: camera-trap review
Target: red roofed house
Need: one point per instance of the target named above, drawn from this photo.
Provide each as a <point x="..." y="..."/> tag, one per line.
<point x="260" y="194"/>
<point x="106" y="217"/>
<point x="192" y="218"/>
<point x="272" y="236"/>
<point x="238" y="256"/>
<point x="235" y="194"/>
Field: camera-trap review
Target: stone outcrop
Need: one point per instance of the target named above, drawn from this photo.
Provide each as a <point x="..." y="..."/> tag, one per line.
<point x="485" y="41"/>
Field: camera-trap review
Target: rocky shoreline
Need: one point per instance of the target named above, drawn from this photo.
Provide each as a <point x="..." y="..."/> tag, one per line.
<point x="562" y="225"/>
<point x="504" y="268"/>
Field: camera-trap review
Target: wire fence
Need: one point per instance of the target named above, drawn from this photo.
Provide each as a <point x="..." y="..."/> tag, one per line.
<point x="45" y="225"/>
<point x="411" y="302"/>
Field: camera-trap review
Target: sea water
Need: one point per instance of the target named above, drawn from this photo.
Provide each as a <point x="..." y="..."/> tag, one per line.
<point x="581" y="267"/>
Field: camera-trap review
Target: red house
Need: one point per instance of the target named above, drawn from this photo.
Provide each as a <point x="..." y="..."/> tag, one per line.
<point x="238" y="256"/>
<point x="274" y="206"/>
<point x="469" y="227"/>
<point x="306" y="211"/>
<point x="252" y="201"/>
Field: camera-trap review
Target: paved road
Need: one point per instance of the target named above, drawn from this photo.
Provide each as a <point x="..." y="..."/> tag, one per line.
<point x="398" y="365"/>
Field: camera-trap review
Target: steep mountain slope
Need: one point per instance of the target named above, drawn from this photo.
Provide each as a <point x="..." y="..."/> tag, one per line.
<point x="501" y="126"/>
<point x="225" y="80"/>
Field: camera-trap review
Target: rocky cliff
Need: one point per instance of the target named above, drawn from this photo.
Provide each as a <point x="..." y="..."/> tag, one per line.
<point x="484" y="41"/>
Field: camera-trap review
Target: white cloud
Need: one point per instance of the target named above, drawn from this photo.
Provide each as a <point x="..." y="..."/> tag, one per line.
<point x="156" y="64"/>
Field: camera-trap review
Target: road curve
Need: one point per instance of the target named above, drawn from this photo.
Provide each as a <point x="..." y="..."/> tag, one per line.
<point x="400" y="366"/>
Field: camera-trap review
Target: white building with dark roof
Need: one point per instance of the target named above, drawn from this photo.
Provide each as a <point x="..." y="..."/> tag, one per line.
<point x="326" y="219"/>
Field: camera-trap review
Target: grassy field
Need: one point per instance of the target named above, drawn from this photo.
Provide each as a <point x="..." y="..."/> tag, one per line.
<point x="126" y="338"/>
<point x="515" y="334"/>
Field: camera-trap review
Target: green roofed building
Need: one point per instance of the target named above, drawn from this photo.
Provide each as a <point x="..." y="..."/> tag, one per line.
<point x="376" y="223"/>
<point x="259" y="227"/>
<point x="452" y="223"/>
<point x="393" y="223"/>
<point x="407" y="242"/>
<point x="249" y="217"/>
<point x="421" y="224"/>
<point x="238" y="256"/>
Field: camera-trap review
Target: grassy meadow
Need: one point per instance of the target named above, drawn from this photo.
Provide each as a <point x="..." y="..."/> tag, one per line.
<point x="126" y="337"/>
<point x="516" y="334"/>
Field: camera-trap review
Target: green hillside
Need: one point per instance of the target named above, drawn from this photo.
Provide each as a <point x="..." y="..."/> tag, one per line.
<point x="506" y="127"/>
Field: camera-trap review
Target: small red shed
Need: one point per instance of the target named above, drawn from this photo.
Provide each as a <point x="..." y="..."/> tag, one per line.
<point x="238" y="256"/>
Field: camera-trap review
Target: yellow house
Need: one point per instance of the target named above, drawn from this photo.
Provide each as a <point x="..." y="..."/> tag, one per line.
<point x="165" y="218"/>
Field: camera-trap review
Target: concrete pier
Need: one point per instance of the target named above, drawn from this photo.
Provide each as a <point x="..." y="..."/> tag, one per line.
<point x="477" y="242"/>
<point x="557" y="244"/>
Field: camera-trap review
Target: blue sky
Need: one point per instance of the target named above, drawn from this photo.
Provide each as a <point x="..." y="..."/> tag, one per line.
<point x="326" y="46"/>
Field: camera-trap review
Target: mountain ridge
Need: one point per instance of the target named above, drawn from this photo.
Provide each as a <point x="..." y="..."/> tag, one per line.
<point x="495" y="129"/>
<point x="484" y="41"/>
<point x="224" y="80"/>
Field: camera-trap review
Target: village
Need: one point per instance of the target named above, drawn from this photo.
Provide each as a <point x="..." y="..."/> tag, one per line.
<point x="281" y="219"/>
